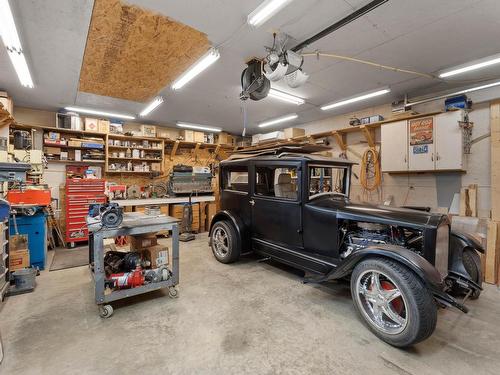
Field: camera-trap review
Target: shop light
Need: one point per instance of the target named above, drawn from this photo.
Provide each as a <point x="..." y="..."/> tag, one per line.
<point x="188" y="125"/>
<point x="356" y="99"/>
<point x="283" y="96"/>
<point x="467" y="68"/>
<point x="152" y="106"/>
<point x="278" y="120"/>
<point x="99" y="113"/>
<point x="203" y="63"/>
<point x="11" y="41"/>
<point x="266" y="10"/>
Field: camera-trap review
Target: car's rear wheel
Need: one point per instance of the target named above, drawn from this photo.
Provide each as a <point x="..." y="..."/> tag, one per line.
<point x="225" y="242"/>
<point x="393" y="301"/>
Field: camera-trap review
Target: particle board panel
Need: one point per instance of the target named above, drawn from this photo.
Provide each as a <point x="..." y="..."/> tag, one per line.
<point x="492" y="253"/>
<point x="132" y="53"/>
<point x="495" y="160"/>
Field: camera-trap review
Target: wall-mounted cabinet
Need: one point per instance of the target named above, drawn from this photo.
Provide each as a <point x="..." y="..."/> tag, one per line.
<point x="432" y="143"/>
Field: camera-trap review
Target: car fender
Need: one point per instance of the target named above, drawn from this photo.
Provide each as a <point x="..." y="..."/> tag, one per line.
<point x="234" y="219"/>
<point x="426" y="271"/>
<point x="458" y="242"/>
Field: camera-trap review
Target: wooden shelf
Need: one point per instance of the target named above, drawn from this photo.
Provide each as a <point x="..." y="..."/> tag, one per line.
<point x="77" y="162"/>
<point x="73" y="147"/>
<point x="339" y="134"/>
<point x="135" y="148"/>
<point x="136" y="159"/>
<point x="134" y="138"/>
<point x="111" y="171"/>
<point x="57" y="130"/>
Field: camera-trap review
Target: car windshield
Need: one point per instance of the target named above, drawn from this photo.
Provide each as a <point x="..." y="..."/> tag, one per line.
<point x="327" y="179"/>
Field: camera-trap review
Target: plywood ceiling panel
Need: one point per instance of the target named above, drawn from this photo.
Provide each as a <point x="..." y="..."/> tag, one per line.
<point x="132" y="53"/>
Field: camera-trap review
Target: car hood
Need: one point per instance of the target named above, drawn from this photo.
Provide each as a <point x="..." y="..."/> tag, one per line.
<point x="380" y="214"/>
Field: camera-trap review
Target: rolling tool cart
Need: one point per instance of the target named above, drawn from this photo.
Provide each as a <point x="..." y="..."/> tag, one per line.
<point x="134" y="282"/>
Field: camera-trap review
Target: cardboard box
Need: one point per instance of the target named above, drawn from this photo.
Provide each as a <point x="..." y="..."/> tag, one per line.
<point x="224" y="138"/>
<point x="294" y="132"/>
<point x="64" y="155"/>
<point x="103" y="126"/>
<point x="157" y="255"/>
<point x="18" y="242"/>
<point x="142" y="242"/>
<point x="19" y="259"/>
<point x="91" y="124"/>
<point x="78" y="155"/>
<point x="199" y="137"/>
<point x="187" y="135"/>
<point x="148" y="131"/>
<point x="76" y="123"/>
<point x="75" y="143"/>
<point x="52" y="136"/>
<point x="52" y="150"/>
<point x="156" y="167"/>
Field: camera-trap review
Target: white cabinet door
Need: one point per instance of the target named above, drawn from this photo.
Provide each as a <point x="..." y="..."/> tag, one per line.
<point x="421" y="145"/>
<point x="449" y="154"/>
<point x="394" y="152"/>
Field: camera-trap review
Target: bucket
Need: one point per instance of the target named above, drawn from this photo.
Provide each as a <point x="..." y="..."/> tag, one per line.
<point x="25" y="278"/>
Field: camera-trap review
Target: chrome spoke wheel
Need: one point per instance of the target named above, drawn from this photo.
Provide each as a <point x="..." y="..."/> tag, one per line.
<point x="220" y="241"/>
<point x="382" y="303"/>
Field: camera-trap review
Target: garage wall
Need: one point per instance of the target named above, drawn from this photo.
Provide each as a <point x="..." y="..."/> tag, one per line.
<point x="424" y="189"/>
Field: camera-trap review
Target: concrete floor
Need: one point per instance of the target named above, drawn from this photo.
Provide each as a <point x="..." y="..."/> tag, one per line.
<point x="245" y="318"/>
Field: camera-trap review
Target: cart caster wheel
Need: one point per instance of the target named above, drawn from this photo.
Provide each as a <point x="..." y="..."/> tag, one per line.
<point x="105" y="311"/>
<point x="173" y="293"/>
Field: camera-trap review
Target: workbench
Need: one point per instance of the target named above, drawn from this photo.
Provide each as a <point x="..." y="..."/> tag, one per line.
<point x="161" y="201"/>
<point x="134" y="223"/>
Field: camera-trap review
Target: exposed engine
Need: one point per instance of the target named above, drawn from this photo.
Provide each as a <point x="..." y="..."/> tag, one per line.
<point x="358" y="235"/>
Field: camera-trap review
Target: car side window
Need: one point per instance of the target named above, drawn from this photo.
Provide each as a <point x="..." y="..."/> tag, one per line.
<point x="276" y="181"/>
<point x="236" y="179"/>
<point x="324" y="179"/>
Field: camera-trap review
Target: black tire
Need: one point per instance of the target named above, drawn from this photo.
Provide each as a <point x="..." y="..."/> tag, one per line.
<point x="230" y="249"/>
<point x="418" y="309"/>
<point x="472" y="264"/>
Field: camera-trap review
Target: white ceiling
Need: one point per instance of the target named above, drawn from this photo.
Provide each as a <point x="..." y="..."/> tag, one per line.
<point x="424" y="35"/>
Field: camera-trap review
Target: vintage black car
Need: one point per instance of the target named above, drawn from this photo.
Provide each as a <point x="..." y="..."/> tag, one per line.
<point x="402" y="263"/>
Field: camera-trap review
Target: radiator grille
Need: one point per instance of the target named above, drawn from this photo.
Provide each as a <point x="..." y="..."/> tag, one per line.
<point x="442" y="249"/>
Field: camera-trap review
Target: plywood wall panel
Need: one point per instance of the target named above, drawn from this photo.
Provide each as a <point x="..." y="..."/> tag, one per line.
<point x="132" y="53"/>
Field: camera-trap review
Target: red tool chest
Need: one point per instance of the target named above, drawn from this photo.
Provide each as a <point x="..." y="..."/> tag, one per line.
<point x="80" y="193"/>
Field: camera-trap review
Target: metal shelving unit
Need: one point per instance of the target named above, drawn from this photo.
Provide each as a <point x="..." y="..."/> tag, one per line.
<point x="133" y="224"/>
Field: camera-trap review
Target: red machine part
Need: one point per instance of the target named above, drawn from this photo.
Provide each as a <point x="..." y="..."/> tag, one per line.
<point x="128" y="279"/>
<point x="39" y="197"/>
<point x="80" y="193"/>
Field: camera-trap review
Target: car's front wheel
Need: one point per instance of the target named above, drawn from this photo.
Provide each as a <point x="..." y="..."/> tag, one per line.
<point x="393" y="301"/>
<point x="225" y="242"/>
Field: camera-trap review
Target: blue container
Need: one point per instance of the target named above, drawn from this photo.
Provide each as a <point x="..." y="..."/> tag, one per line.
<point x="35" y="228"/>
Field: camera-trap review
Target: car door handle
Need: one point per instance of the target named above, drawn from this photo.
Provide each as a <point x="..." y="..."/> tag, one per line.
<point x="251" y="201"/>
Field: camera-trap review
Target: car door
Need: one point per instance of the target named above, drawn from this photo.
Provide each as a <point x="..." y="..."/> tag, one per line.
<point x="276" y="205"/>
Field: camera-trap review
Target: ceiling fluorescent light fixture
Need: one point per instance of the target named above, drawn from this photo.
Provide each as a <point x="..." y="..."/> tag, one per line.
<point x="198" y="127"/>
<point x="151" y="106"/>
<point x="467" y="68"/>
<point x="283" y="96"/>
<point x="482" y="87"/>
<point x="99" y="113"/>
<point x="203" y="63"/>
<point x="266" y="10"/>
<point x="278" y="120"/>
<point x="11" y="40"/>
<point x="356" y="99"/>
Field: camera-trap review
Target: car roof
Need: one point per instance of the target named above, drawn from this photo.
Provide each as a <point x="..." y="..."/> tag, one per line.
<point x="288" y="156"/>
